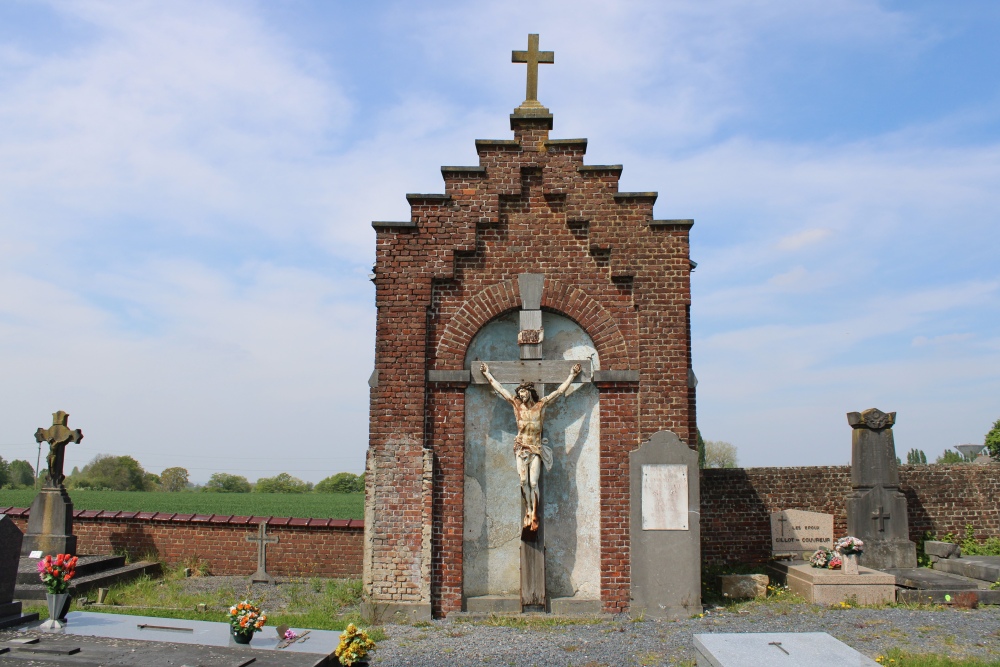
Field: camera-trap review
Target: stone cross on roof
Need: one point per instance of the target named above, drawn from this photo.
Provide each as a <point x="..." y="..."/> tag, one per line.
<point x="532" y="57"/>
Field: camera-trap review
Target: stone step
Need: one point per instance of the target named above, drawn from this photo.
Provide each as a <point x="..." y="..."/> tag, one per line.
<point x="939" y="596"/>
<point x="27" y="568"/>
<point x="984" y="568"/>
<point x="102" y="579"/>
<point x="924" y="578"/>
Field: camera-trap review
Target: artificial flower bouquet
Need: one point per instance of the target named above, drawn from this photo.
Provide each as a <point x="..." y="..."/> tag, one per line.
<point x="826" y="558"/>
<point x="56" y="572"/>
<point x="849" y="545"/>
<point x="246" y="617"/>
<point x="354" y="645"/>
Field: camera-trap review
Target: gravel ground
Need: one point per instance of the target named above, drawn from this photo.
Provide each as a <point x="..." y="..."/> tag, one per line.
<point x="615" y="641"/>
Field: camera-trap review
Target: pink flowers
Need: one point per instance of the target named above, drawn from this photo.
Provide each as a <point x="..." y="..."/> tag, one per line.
<point x="56" y="573"/>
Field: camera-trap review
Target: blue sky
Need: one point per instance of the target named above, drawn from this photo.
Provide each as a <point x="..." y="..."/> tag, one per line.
<point x="186" y="191"/>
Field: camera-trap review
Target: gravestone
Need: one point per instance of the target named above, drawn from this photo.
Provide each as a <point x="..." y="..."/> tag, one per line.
<point x="876" y="509"/>
<point x="262" y="539"/>
<point x="776" y="649"/>
<point x="800" y="532"/>
<point x="10" y="555"/>
<point x="665" y="532"/>
<point x="532" y="262"/>
<point x="50" y="523"/>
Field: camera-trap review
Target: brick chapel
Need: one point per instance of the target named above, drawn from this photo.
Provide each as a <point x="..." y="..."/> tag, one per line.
<point x="531" y="261"/>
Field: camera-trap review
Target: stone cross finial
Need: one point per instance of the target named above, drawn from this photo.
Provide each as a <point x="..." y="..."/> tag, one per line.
<point x="532" y="57"/>
<point x="58" y="436"/>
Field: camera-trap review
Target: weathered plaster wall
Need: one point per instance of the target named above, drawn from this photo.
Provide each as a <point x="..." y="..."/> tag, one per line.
<point x="571" y="509"/>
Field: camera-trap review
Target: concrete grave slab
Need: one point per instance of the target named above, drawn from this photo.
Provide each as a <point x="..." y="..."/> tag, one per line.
<point x="926" y="578"/>
<point x="776" y="649"/>
<point x="984" y="568"/>
<point x="829" y="587"/>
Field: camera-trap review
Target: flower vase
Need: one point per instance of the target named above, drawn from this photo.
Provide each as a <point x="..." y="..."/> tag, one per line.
<point x="242" y="637"/>
<point x="58" y="604"/>
<point x="850" y="565"/>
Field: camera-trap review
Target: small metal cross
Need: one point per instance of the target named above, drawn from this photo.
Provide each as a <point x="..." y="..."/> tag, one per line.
<point x="881" y="517"/>
<point x="262" y="539"/>
<point x="532" y="57"/>
<point x="782" y="521"/>
<point x="778" y="646"/>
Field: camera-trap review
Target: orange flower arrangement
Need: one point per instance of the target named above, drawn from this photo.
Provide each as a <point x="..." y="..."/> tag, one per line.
<point x="246" y="617"/>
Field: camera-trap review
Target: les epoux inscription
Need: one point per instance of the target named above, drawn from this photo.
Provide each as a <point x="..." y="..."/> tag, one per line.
<point x="798" y="530"/>
<point x="665" y="497"/>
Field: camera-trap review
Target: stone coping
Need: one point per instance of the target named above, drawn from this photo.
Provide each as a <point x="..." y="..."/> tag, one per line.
<point x="618" y="196"/>
<point x="228" y="519"/>
<point x="386" y="224"/>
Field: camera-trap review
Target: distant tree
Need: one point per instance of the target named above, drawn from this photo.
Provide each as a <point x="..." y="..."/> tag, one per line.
<point x="361" y="483"/>
<point x="992" y="441"/>
<point x="950" y="456"/>
<point x="719" y="454"/>
<point x="151" y="482"/>
<point x="281" y="483"/>
<point x="174" y="479"/>
<point x="21" y="473"/>
<point x="4" y="473"/>
<point x="916" y="457"/>
<point x="342" y="482"/>
<point x="117" y="473"/>
<point x="221" y="482"/>
<point x="701" y="450"/>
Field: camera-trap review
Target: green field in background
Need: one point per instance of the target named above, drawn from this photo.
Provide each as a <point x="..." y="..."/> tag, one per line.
<point x="303" y="505"/>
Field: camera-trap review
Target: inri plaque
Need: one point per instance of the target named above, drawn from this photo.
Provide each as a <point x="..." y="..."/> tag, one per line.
<point x="665" y="497"/>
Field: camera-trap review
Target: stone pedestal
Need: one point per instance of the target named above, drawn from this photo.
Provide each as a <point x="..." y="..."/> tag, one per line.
<point x="50" y="524"/>
<point x="665" y="532"/>
<point x="876" y="509"/>
<point x="829" y="587"/>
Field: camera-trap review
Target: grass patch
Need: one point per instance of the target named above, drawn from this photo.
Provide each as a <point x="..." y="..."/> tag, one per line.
<point x="301" y="505"/>
<point x="898" y="658"/>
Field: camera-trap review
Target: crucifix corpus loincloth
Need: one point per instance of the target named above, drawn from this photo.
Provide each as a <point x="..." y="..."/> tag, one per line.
<point x="531" y="374"/>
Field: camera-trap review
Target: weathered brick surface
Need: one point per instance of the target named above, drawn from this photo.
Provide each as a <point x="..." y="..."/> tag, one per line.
<point x="529" y="206"/>
<point x="736" y="504"/>
<point x="313" y="548"/>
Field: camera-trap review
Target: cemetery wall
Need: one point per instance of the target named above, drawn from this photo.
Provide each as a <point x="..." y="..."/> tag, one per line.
<point x="736" y="503"/>
<point x="306" y="547"/>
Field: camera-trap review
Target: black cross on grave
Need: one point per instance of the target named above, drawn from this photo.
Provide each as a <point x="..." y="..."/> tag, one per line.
<point x="262" y="539"/>
<point x="781" y="523"/>
<point x="881" y="516"/>
<point x="532" y="368"/>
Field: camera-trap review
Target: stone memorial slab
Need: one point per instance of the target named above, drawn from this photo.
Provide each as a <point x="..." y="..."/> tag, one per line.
<point x="666" y="562"/>
<point x="10" y="555"/>
<point x="776" y="649"/>
<point x="800" y="531"/>
<point x="829" y="587"/>
<point x="664" y="497"/>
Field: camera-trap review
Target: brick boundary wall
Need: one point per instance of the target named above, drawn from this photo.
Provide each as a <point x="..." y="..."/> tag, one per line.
<point x="735" y="521"/>
<point x="306" y="547"/>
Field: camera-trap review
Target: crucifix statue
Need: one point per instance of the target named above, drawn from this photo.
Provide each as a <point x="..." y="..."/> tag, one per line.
<point x="58" y="436"/>
<point x="529" y="452"/>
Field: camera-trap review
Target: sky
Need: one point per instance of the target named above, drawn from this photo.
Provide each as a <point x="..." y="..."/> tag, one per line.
<point x="186" y="191"/>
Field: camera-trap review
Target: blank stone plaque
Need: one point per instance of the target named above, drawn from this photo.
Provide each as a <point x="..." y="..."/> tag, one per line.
<point x="664" y="497"/>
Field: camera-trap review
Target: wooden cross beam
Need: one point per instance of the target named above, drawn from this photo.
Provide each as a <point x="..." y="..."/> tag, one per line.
<point x="533" y="58"/>
<point x="262" y="539"/>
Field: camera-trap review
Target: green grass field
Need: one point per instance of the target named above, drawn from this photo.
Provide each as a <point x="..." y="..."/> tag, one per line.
<point x="305" y="505"/>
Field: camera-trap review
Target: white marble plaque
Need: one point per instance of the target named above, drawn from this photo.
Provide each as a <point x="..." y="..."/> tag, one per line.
<point x="665" y="497"/>
<point x="798" y="530"/>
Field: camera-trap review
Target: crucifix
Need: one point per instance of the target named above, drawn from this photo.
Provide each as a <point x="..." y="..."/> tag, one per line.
<point x="262" y="539"/>
<point x="531" y="374"/>
<point x="881" y="516"/>
<point x="532" y="58"/>
<point x="58" y="436"/>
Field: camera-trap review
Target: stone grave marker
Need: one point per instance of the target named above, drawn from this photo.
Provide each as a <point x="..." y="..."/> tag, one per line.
<point x="800" y="532"/>
<point x="666" y="537"/>
<point x="776" y="649"/>
<point x="50" y="523"/>
<point x="876" y="509"/>
<point x="10" y="555"/>
<point x="262" y="539"/>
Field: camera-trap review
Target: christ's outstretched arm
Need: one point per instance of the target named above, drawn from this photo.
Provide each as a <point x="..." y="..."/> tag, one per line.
<point x="564" y="386"/>
<point x="496" y="385"/>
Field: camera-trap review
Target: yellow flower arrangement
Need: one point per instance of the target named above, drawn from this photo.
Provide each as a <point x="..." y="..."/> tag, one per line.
<point x="354" y="645"/>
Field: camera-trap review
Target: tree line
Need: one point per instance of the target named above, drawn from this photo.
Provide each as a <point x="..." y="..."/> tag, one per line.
<point x="123" y="473"/>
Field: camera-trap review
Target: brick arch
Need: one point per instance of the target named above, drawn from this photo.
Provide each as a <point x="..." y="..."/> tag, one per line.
<point x="505" y="296"/>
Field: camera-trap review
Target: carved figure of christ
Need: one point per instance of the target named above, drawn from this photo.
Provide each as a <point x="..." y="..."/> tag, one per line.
<point x="529" y="452"/>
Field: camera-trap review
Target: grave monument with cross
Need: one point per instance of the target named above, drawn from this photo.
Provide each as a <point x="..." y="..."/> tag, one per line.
<point x="876" y="508"/>
<point x="262" y="539"/>
<point x="50" y="523"/>
<point x="531" y="262"/>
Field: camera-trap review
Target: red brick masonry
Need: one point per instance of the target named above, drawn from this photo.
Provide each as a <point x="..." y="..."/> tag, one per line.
<point x="306" y="547"/>
<point x="735" y="524"/>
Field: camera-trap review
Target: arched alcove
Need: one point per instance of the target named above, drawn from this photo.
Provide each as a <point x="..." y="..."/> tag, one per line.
<point x="571" y="503"/>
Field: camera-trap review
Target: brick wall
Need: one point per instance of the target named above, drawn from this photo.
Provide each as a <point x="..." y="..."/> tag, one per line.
<point x="736" y="504"/>
<point x="305" y="548"/>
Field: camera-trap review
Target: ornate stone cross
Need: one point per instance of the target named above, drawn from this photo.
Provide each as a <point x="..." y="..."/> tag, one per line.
<point x="58" y="436"/>
<point x="532" y="57"/>
<point x="881" y="516"/>
<point x="262" y="539"/>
